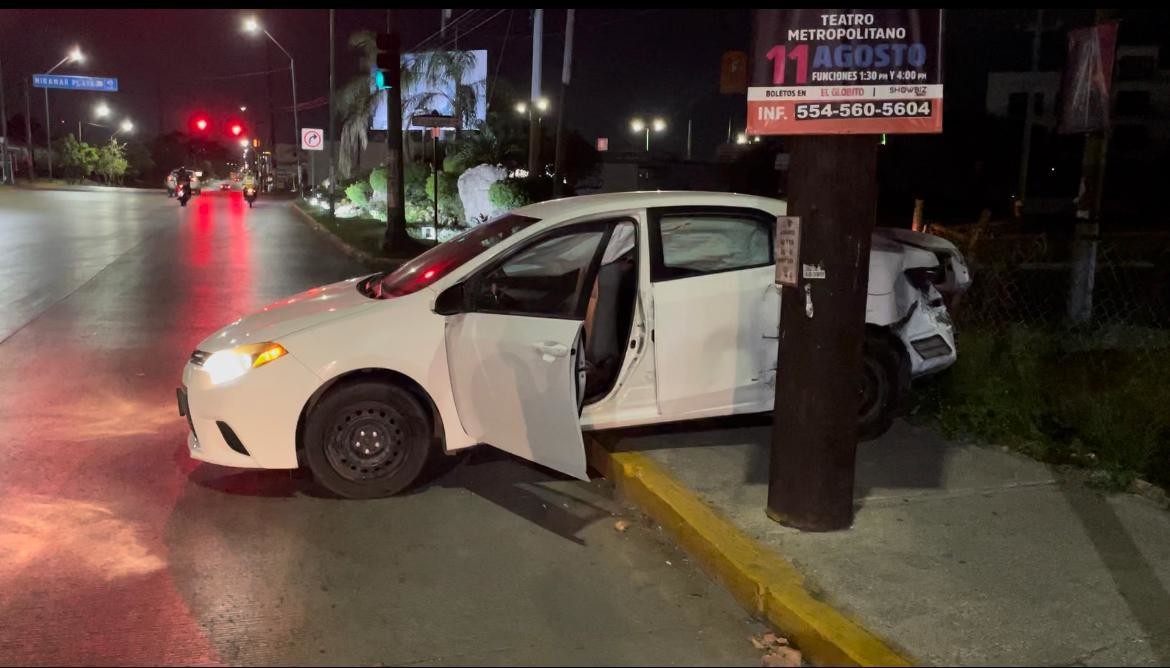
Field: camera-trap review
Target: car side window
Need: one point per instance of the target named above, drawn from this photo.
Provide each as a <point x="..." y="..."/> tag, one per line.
<point x="548" y="278"/>
<point x="702" y="242"/>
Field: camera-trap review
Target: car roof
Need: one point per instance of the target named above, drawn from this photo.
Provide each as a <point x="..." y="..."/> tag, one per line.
<point x="584" y="205"/>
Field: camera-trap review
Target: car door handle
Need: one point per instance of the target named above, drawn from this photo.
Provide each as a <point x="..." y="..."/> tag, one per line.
<point x="550" y="349"/>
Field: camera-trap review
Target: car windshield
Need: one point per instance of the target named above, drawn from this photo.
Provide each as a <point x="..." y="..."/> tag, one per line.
<point x="445" y="258"/>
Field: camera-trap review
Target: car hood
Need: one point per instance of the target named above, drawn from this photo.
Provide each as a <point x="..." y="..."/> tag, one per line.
<point x="292" y="314"/>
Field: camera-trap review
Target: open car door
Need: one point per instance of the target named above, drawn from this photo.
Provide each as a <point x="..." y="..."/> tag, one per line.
<point x="513" y="351"/>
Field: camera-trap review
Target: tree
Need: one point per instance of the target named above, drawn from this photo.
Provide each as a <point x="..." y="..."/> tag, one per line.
<point x="140" y="164"/>
<point x="77" y="159"/>
<point x="111" y="162"/>
<point x="497" y="142"/>
<point x="358" y="99"/>
<point x="435" y="69"/>
<point x="16" y="128"/>
<point x="169" y="151"/>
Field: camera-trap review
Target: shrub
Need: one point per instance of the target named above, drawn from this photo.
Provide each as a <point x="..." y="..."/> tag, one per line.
<point x="377" y="179"/>
<point x="359" y="193"/>
<point x="513" y="193"/>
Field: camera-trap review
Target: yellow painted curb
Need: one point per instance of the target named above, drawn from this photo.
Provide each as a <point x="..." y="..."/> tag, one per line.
<point x="760" y="580"/>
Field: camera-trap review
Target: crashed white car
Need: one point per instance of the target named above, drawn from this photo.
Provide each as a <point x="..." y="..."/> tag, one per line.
<point x="581" y="313"/>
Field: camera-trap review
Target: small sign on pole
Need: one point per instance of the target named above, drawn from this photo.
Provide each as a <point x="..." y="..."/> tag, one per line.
<point x="435" y="121"/>
<point x="603" y="143"/>
<point x="312" y="139"/>
<point x="787" y="250"/>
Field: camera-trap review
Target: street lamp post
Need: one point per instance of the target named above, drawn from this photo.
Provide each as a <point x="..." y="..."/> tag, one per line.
<point x="639" y="125"/>
<point x="74" y="56"/>
<point x="100" y="111"/>
<point x="126" y="126"/>
<point x="535" y="110"/>
<point x="253" y="26"/>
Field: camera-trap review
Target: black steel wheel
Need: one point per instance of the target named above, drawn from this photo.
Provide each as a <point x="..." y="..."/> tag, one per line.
<point x="368" y="439"/>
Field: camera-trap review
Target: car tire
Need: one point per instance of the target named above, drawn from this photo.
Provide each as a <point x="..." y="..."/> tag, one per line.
<point x="884" y="378"/>
<point x="367" y="440"/>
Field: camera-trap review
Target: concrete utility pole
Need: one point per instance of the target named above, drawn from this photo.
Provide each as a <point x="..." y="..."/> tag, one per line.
<point x="331" y="143"/>
<point x="28" y="156"/>
<point x="1088" y="213"/>
<point x="390" y="62"/>
<point x="822" y="328"/>
<point x="533" y="127"/>
<point x="7" y="167"/>
<point x="566" y="71"/>
<point x="1029" y="114"/>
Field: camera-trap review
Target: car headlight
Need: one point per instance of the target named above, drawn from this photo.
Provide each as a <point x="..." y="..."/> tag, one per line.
<point x="227" y="365"/>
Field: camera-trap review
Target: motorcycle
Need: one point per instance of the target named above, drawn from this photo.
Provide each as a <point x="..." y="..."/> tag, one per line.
<point x="183" y="192"/>
<point x="250" y="195"/>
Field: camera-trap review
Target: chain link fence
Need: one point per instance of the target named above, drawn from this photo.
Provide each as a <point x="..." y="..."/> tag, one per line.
<point x="1027" y="279"/>
<point x="1085" y="384"/>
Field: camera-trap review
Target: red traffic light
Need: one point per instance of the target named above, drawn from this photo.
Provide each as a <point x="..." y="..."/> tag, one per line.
<point x="237" y="129"/>
<point x="201" y="123"/>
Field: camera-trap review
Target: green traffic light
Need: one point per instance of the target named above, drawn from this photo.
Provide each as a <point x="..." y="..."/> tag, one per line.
<point x="380" y="80"/>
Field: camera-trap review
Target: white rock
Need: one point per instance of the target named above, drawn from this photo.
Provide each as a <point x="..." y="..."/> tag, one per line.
<point x="473" y="191"/>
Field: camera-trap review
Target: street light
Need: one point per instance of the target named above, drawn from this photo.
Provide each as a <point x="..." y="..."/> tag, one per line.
<point x="101" y="111"/>
<point x="539" y="106"/>
<point x="74" y="56"/>
<point x="124" y="126"/>
<point x="253" y="26"/>
<point x="639" y="125"/>
<point x="243" y="107"/>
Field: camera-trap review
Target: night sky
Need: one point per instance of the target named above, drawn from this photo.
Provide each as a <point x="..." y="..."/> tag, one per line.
<point x="626" y="62"/>
<point x="171" y="63"/>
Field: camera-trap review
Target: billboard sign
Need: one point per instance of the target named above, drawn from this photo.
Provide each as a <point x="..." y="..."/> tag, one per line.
<point x="429" y="88"/>
<point x="1087" y="78"/>
<point x="846" y="71"/>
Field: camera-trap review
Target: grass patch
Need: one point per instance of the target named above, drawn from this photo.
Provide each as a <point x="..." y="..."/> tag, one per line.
<point x="362" y="233"/>
<point x="1094" y="399"/>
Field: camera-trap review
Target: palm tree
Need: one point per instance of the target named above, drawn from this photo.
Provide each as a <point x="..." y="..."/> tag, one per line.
<point x="357" y="100"/>
<point x="497" y="142"/>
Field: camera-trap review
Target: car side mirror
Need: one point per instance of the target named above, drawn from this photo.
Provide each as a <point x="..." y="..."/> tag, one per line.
<point x="451" y="301"/>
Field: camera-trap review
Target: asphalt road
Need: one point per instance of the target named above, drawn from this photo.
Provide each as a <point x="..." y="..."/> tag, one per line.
<point x="116" y="548"/>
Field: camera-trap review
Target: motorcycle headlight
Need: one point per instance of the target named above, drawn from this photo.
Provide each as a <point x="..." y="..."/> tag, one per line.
<point x="227" y="365"/>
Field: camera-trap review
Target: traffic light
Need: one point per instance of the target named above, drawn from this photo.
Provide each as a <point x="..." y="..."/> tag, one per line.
<point x="387" y="63"/>
<point x="201" y="124"/>
<point x="237" y="129"/>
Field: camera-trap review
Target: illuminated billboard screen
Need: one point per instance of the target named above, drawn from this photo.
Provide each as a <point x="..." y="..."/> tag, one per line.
<point x="429" y="85"/>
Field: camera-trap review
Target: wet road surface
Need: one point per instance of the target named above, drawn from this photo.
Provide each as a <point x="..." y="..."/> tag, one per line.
<point x="116" y="548"/>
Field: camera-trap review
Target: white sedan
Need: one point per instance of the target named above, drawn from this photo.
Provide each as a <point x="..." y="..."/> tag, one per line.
<point x="581" y="313"/>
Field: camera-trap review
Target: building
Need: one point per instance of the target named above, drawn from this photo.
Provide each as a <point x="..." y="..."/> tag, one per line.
<point x="1140" y="133"/>
<point x="1141" y="99"/>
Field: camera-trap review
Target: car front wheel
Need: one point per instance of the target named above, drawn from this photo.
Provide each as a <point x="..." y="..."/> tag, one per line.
<point x="367" y="439"/>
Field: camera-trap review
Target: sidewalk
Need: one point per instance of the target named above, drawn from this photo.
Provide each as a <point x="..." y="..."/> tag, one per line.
<point x="959" y="554"/>
<point x="61" y="184"/>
